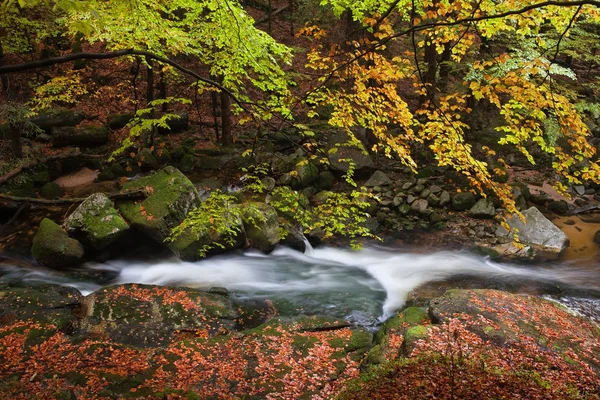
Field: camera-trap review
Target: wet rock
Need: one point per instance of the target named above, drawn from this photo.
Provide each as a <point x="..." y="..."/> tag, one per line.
<point x="378" y="178"/>
<point x="597" y="237"/>
<point x="463" y="201"/>
<point x="484" y="208"/>
<point x="537" y="231"/>
<point x="53" y="248"/>
<point x="96" y="223"/>
<point x="84" y="136"/>
<point x="579" y="189"/>
<point x="558" y="206"/>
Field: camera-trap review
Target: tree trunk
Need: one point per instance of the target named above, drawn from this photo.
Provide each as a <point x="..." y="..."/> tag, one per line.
<point x="162" y="89"/>
<point x="4" y="78"/>
<point x="445" y="67"/>
<point x="226" y="126"/>
<point x="15" y="140"/>
<point x="149" y="81"/>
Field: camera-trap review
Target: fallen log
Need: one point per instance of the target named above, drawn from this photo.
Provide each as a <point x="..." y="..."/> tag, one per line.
<point x="29" y="165"/>
<point x="134" y="194"/>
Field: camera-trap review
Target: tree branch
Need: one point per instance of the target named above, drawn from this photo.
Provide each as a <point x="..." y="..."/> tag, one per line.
<point x="5" y="69"/>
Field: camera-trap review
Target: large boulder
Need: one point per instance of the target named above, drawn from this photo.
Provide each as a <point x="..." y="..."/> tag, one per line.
<point x="57" y="117"/>
<point x="171" y="196"/>
<point x="53" y="248"/>
<point x="96" y="222"/>
<point x="85" y="136"/>
<point x="342" y="156"/>
<point x="537" y="231"/>
<point x="262" y="226"/>
<point x="305" y="173"/>
<point x="147" y="315"/>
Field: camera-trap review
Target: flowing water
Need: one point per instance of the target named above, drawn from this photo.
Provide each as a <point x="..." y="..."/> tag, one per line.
<point x="363" y="286"/>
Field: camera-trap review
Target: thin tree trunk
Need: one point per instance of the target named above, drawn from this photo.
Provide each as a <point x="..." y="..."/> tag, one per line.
<point x="15" y="140"/>
<point x="226" y="125"/>
<point x="445" y="67"/>
<point x="4" y="78"/>
<point x="162" y="89"/>
<point x="149" y="81"/>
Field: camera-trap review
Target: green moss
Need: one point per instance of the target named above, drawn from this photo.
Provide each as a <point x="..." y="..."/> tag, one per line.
<point x="52" y="190"/>
<point x="53" y="248"/>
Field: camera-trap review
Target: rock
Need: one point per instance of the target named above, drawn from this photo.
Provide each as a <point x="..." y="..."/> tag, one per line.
<point x="407" y="185"/>
<point x="435" y="189"/>
<point x="171" y="196"/>
<point x="321" y="197"/>
<point x="96" y="223"/>
<point x="425" y="193"/>
<point x="147" y="315"/>
<point x="187" y="163"/>
<point x="294" y="239"/>
<point x="106" y="174"/>
<point x="378" y="178"/>
<point x="53" y="248"/>
<point x="179" y="123"/>
<point x="305" y="174"/>
<point x="444" y="198"/>
<point x="84" y="136"/>
<point x="52" y="190"/>
<point x="118" y="121"/>
<point x="483" y="209"/>
<point x="417" y="189"/>
<point x="262" y="229"/>
<point x="420" y="206"/>
<point x="46" y="304"/>
<point x="559" y="206"/>
<point x="433" y="200"/>
<point x="178" y="153"/>
<point x="284" y="179"/>
<point x="597" y="237"/>
<point x="410" y="199"/>
<point x="268" y="183"/>
<point x="325" y="180"/>
<point x="361" y="160"/>
<point x="57" y="118"/>
<point x="404" y="209"/>
<point x="146" y="160"/>
<point x="579" y="189"/>
<point x="537" y="232"/>
<point x="40" y="178"/>
<point x="463" y="201"/>
<point x="43" y="138"/>
<point x="540" y="198"/>
<point x="117" y="170"/>
<point x="398" y="200"/>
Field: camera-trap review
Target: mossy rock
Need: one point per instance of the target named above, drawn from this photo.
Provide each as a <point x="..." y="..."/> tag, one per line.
<point x="96" y="223"/>
<point x="261" y="224"/>
<point x="118" y="121"/>
<point x="52" y="190"/>
<point x="148" y="315"/>
<point x="40" y="178"/>
<point x="47" y="304"/>
<point x="53" y="248"/>
<point x="87" y="136"/>
<point x="146" y="160"/>
<point x="21" y="188"/>
<point x="187" y="163"/>
<point x="171" y="196"/>
<point x="117" y="170"/>
<point x="463" y="201"/>
<point x="177" y="153"/>
<point x="305" y="173"/>
<point x="58" y="117"/>
<point x="106" y="174"/>
<point x="192" y="246"/>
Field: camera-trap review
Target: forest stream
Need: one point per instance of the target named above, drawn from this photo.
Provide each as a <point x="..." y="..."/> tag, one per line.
<point x="364" y="286"/>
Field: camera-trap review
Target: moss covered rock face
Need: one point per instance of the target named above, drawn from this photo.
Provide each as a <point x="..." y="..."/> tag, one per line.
<point x="147" y="315"/>
<point x="53" y="248"/>
<point x="171" y="196"/>
<point x="262" y="226"/>
<point x="96" y="222"/>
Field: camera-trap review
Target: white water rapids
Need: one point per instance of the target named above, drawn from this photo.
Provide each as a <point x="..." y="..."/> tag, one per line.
<point x="371" y="281"/>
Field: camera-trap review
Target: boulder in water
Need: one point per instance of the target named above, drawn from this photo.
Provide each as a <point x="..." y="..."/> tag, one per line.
<point x="537" y="231"/>
<point x="96" y="223"/>
<point x="262" y="226"/>
<point x="53" y="248"/>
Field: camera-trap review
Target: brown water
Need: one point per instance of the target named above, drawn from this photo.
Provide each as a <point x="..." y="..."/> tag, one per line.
<point x="581" y="235"/>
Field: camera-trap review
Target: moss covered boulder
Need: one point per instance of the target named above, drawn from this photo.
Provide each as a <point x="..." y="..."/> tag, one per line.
<point x="96" y="222"/>
<point x="195" y="245"/>
<point x="147" y="315"/>
<point x="49" y="304"/>
<point x="262" y="226"/>
<point x="86" y="136"/>
<point x="53" y="248"/>
<point x="171" y="196"/>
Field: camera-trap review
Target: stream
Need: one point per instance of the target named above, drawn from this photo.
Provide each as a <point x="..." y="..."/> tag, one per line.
<point x="364" y="286"/>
